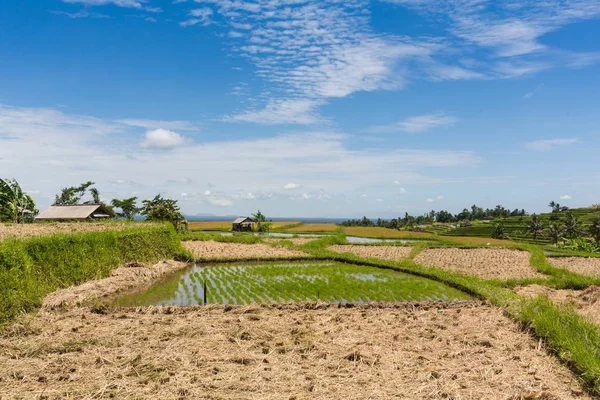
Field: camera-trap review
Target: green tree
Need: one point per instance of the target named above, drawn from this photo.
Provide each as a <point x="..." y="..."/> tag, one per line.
<point x="556" y="232"/>
<point x="595" y="229"/>
<point x="572" y="227"/>
<point x="498" y="231"/>
<point x="128" y="207"/>
<point x="534" y="226"/>
<point x="163" y="210"/>
<point x="95" y="196"/>
<point x="552" y="204"/>
<point x="262" y="224"/>
<point x="72" y="195"/>
<point x="15" y="205"/>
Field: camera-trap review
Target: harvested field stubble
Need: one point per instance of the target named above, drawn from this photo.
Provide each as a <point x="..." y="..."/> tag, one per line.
<point x="579" y="265"/>
<point x="585" y="302"/>
<point x="230" y="251"/>
<point x="132" y="275"/>
<point x="301" y="351"/>
<point x="396" y="253"/>
<point x="487" y="263"/>
<point x="44" y="229"/>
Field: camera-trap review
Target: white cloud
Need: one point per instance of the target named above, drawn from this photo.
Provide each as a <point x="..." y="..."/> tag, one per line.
<point x="163" y="139"/>
<point x="565" y="197"/>
<point x="418" y="124"/>
<point x="379" y="200"/>
<point x="402" y="191"/>
<point x="363" y="196"/>
<point x="245" y="196"/>
<point x="549" y="144"/>
<point x="440" y="197"/>
<point x="291" y="186"/>
<point x="80" y="148"/>
<point x="429" y="200"/>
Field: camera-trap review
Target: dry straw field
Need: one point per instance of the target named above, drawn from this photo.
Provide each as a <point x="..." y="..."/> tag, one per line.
<point x="408" y="351"/>
<point x="230" y="251"/>
<point x="226" y="225"/>
<point x="395" y="253"/>
<point x="44" y="229"/>
<point x="313" y="228"/>
<point x="579" y="265"/>
<point x="486" y="263"/>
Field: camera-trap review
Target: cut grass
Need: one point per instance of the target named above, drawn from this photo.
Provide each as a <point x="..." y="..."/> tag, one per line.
<point x="308" y="228"/>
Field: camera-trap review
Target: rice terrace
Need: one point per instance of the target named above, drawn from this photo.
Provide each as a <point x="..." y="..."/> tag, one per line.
<point x="164" y="308"/>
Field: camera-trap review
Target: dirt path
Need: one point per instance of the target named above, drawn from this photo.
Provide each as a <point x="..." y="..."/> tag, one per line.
<point x="431" y="351"/>
<point x="585" y="302"/>
<point x="580" y="265"/>
<point x="483" y="263"/>
<point x="127" y="277"/>
<point x="230" y="251"/>
<point x="396" y="253"/>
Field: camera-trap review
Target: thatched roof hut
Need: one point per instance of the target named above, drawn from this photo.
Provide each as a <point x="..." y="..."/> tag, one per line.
<point x="242" y="224"/>
<point x="75" y="212"/>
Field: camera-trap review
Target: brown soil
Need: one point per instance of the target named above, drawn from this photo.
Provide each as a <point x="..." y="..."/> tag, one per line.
<point x="302" y="351"/>
<point x="130" y="276"/>
<point x="579" y="265"/>
<point x="585" y="302"/>
<point x="491" y="263"/>
<point x="230" y="251"/>
<point x="43" y="229"/>
<point x="385" y="252"/>
<point x="295" y="241"/>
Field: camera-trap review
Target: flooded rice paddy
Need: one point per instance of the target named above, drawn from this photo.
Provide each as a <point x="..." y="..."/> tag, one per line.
<point x="282" y="282"/>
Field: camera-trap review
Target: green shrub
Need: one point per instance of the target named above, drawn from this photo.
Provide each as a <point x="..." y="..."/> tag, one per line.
<point x="32" y="268"/>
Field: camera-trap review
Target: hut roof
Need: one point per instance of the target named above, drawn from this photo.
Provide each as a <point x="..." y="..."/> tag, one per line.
<point x="241" y="220"/>
<point x="78" y="211"/>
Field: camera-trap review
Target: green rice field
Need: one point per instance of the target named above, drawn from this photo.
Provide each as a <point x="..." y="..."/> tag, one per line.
<point x="280" y="282"/>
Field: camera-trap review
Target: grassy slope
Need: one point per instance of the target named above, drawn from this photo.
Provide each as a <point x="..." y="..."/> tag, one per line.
<point x="515" y="227"/>
<point x="32" y="268"/>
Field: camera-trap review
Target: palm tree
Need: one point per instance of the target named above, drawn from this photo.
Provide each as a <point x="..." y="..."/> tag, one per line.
<point x="534" y="226"/>
<point x="15" y="205"/>
<point x="552" y="205"/>
<point x="95" y="195"/>
<point x="572" y="228"/>
<point x="595" y="229"/>
<point x="555" y="232"/>
<point x="498" y="232"/>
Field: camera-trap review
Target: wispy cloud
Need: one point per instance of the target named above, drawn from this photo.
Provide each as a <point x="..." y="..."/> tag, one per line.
<point x="200" y="16"/>
<point x="155" y="124"/>
<point x="82" y="14"/>
<point x="310" y="52"/>
<point x="417" y="124"/>
<point x="118" y="3"/>
<point x="566" y="197"/>
<point x="549" y="144"/>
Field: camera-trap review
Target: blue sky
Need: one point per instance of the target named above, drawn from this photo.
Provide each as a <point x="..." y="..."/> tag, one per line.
<point x="304" y="108"/>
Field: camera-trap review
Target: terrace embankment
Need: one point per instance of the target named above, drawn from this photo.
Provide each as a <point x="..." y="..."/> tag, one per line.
<point x="584" y="302"/>
<point x="295" y="241"/>
<point x="46" y="229"/>
<point x="580" y="265"/>
<point x="486" y="263"/>
<point x="130" y="276"/>
<point x="298" y="351"/>
<point x="385" y="252"/>
<point x="211" y="250"/>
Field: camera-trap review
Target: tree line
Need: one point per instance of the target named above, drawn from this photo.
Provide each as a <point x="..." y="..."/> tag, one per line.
<point x="17" y="206"/>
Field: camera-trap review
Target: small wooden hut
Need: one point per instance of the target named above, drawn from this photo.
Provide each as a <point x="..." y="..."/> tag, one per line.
<point x="242" y="224"/>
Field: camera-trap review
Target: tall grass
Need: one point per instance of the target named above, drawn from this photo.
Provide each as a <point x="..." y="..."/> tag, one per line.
<point x="32" y="268"/>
